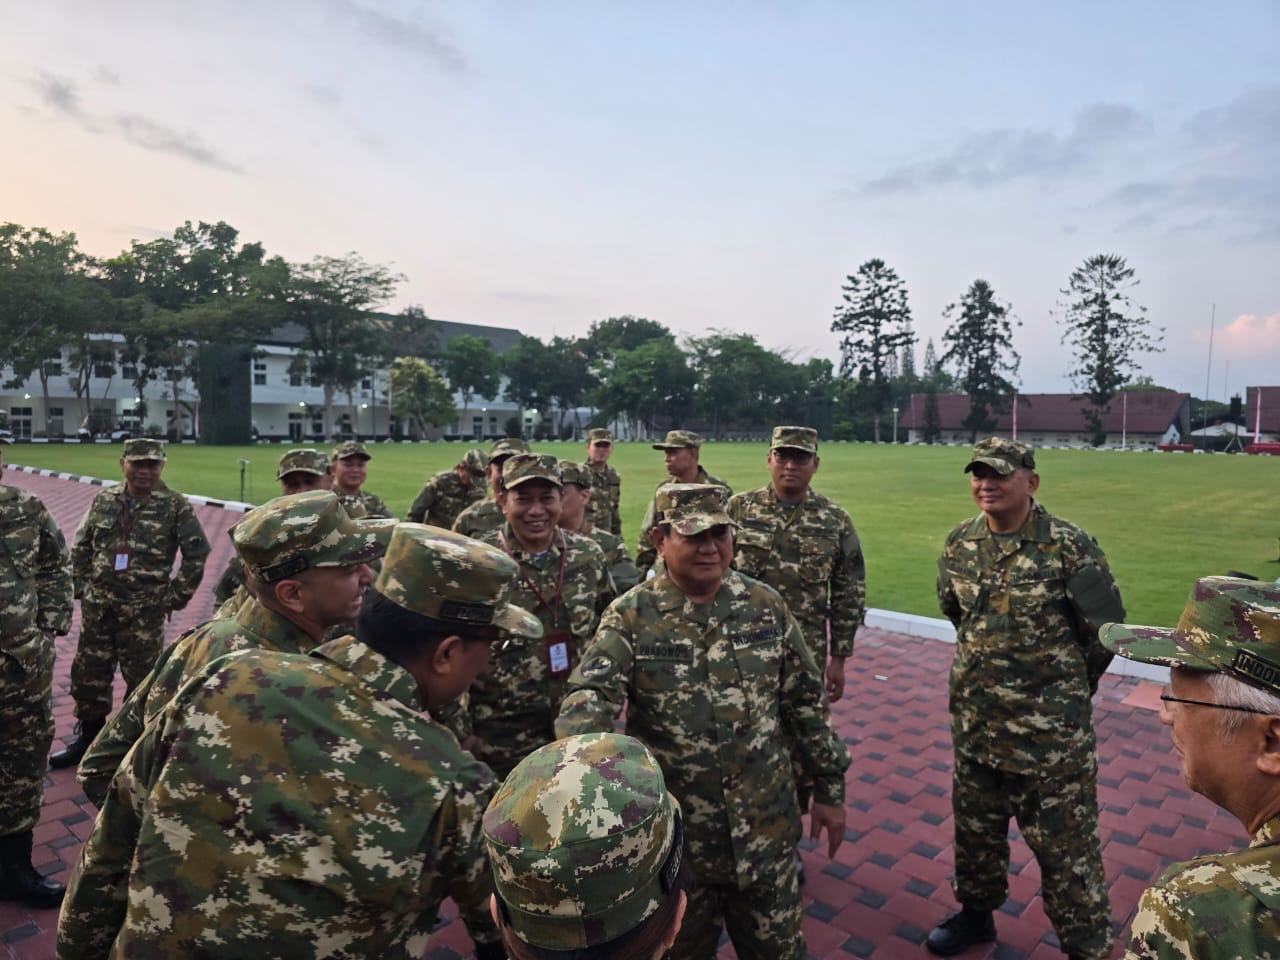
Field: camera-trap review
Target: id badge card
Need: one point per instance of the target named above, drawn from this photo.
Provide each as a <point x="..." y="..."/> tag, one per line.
<point x="121" y="560"/>
<point x="558" y="647"/>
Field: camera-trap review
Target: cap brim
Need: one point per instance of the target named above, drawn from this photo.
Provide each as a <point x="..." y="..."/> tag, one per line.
<point x="367" y="544"/>
<point x="793" y="446"/>
<point x="517" y="620"/>
<point x="311" y="470"/>
<point x="1158" y="645"/>
<point x="705" y="521"/>
<point x="511" y="484"/>
<point x="1002" y="467"/>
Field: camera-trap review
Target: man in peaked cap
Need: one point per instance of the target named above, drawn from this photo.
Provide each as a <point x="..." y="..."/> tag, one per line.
<point x="604" y="507"/>
<point x="35" y="606"/>
<point x="479" y="518"/>
<point x="721" y="686"/>
<point x="586" y="848"/>
<point x="122" y="558"/>
<point x="1027" y="592"/>
<point x="681" y="448"/>
<point x="1223" y="705"/>
<point x="576" y="497"/>
<point x="350" y="462"/>
<point x="449" y="492"/>
<point x="564" y="580"/>
<point x="313" y="801"/>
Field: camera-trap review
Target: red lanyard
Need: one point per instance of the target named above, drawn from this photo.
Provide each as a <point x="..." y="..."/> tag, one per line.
<point x="555" y="599"/>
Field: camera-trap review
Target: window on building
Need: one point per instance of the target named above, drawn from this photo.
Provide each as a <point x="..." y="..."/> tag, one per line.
<point x="295" y="426"/>
<point x="53" y="367"/>
<point x="103" y="371"/>
<point x="295" y="379"/>
<point x="129" y="371"/>
<point x="477" y="427"/>
<point x="20" y="421"/>
<point x="259" y="373"/>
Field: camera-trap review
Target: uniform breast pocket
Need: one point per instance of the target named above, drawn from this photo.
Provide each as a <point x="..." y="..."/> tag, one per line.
<point x="21" y="543"/>
<point x="1033" y="592"/>
<point x="969" y="590"/>
<point x="753" y="547"/>
<point x="760" y="665"/>
<point x="817" y="557"/>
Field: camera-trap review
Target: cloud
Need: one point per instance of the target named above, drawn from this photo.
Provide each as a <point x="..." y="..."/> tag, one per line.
<point x="1133" y="194"/>
<point x="1251" y="119"/>
<point x="1251" y="334"/>
<point x="411" y="36"/>
<point x="990" y="158"/>
<point x="61" y="97"/>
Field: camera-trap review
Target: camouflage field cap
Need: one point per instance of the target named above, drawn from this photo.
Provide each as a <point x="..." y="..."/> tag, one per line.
<point x="446" y="576"/>
<point x="795" y="438"/>
<point x="352" y="448"/>
<point x="584" y="841"/>
<point x="290" y="534"/>
<point x="303" y="461"/>
<point x="524" y="467"/>
<point x="1228" y="626"/>
<point x="679" y="440"/>
<point x="577" y="473"/>
<point x="507" y="447"/>
<point x="143" y="448"/>
<point x="476" y="461"/>
<point x="599" y="435"/>
<point x="692" y="507"/>
<point x="1001" y="455"/>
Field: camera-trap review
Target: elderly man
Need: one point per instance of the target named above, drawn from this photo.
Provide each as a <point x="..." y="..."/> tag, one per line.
<point x="1223" y="705"/>
<point x="484" y="516"/>
<point x="35" y="606"/>
<point x="449" y="492"/>
<point x="1027" y="593"/>
<point x="289" y="805"/>
<point x="122" y="558"/>
<point x="681" y="449"/>
<point x="718" y="682"/>
<point x="350" y="463"/>
<point x="604" y="508"/>
<point x="575" y="504"/>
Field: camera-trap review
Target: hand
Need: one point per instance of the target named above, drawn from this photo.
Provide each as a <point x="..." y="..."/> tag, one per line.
<point x="828" y="816"/>
<point x="833" y="681"/>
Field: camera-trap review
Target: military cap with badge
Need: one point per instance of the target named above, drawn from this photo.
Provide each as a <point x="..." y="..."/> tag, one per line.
<point x="1001" y="455"/>
<point x="679" y="440"/>
<point x="303" y="461"/>
<point x="691" y="508"/>
<point x="351" y="448"/>
<point x="143" y="448"/>
<point x="297" y="532"/>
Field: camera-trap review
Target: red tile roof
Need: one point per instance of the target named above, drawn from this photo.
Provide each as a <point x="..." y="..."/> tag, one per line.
<point x="1149" y="411"/>
<point x="1270" y="408"/>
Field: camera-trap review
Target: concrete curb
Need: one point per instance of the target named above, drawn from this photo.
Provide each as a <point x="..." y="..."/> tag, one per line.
<point x="235" y="506"/>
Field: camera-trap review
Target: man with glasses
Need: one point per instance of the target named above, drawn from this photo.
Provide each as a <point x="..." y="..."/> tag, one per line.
<point x="1223" y="707"/>
<point x="1027" y="592"/>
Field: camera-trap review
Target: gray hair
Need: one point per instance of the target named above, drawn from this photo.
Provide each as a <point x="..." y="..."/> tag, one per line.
<point x="1230" y="692"/>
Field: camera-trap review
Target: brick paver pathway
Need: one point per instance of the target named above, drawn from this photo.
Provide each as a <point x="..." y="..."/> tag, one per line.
<point x="888" y="882"/>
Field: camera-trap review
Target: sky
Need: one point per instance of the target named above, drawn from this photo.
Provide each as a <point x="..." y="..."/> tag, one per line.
<point x="711" y="165"/>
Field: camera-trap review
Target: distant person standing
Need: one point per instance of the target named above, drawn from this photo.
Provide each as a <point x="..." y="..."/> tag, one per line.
<point x="122" y="558"/>
<point x="604" y="508"/>
<point x="681" y="450"/>
<point x="575" y="503"/>
<point x="485" y="515"/>
<point x="350" y="470"/>
<point x="35" y="606"/>
<point x="449" y="492"/>
<point x="1027" y="593"/>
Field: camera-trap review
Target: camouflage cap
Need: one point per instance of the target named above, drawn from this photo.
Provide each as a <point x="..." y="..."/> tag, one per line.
<point x="524" y="467"/>
<point x="476" y="461"/>
<point x="446" y="576"/>
<point x="507" y="447"/>
<point x="584" y="841"/>
<point x="1228" y="626"/>
<point x="143" y="448"/>
<point x="796" y="438"/>
<point x="692" y="507"/>
<point x="352" y="448"/>
<point x="303" y="461"/>
<point x="679" y="440"/>
<point x="1001" y="455"/>
<point x="290" y="534"/>
<point x="576" y="473"/>
<point x="599" y="435"/>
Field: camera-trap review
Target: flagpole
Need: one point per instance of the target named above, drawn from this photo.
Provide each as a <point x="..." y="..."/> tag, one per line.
<point x="1015" y="415"/>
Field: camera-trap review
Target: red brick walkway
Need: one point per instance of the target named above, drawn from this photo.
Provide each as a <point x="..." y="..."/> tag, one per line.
<point x="888" y="883"/>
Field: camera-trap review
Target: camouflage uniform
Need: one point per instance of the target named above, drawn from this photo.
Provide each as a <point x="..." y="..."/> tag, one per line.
<point x="361" y="503"/>
<point x="443" y="497"/>
<point x="486" y="516"/>
<point x="1027" y="607"/>
<point x="35" y="604"/>
<point x="585" y="842"/>
<point x="717" y="691"/>
<point x="288" y="805"/>
<point x="604" y="509"/>
<point x="616" y="555"/>
<point x="122" y="611"/>
<point x="646" y="552"/>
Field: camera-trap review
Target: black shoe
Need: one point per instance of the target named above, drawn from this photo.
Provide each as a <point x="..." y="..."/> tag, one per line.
<point x="490" y="951"/>
<point x="19" y="880"/>
<point x="960" y="931"/>
<point x="86" y="731"/>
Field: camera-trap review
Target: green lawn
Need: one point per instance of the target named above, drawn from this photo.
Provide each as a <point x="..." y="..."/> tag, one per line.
<point x="1163" y="519"/>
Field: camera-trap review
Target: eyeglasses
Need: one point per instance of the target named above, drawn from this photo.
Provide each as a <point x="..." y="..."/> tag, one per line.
<point x="1168" y="698"/>
<point x="791" y="453"/>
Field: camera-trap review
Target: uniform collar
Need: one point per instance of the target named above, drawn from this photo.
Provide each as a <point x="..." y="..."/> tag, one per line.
<point x="371" y="668"/>
<point x="670" y="597"/>
<point x="281" y="632"/>
<point x="1035" y="528"/>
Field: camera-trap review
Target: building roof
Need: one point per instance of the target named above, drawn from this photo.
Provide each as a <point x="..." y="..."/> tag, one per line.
<point x="1149" y="411"/>
<point x="500" y="338"/>
<point x="1270" y="397"/>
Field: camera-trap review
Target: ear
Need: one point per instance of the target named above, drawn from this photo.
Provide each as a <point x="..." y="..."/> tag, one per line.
<point x="1033" y="482"/>
<point x="444" y="656"/>
<point x="1269" y="759"/>
<point x="659" y="539"/>
<point x="288" y="593"/>
<point x="677" y="919"/>
<point x="817" y="462"/>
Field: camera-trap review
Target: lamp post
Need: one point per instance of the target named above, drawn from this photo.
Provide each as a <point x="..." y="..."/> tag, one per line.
<point x="895" y="424"/>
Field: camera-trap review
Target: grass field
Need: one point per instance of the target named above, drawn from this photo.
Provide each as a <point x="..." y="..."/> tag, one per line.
<point x="1163" y="519"/>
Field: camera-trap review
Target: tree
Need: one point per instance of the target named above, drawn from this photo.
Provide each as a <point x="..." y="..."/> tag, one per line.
<point x="1106" y="330"/>
<point x="653" y="380"/>
<point x="607" y="337"/>
<point x="472" y="368"/>
<point x="569" y="377"/>
<point x="737" y="379"/>
<point x="979" y="341"/>
<point x="876" y="323"/>
<point x="526" y="365"/>
<point x="420" y="396"/>
<point x="932" y="421"/>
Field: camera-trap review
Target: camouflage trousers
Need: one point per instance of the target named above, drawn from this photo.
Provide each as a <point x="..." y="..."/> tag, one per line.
<point x="763" y="920"/>
<point x="1057" y="812"/>
<point x="129" y="633"/>
<point x="26" y="731"/>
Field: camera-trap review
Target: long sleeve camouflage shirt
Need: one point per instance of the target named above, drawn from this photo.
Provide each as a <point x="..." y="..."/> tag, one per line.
<point x="646" y="552"/>
<point x="442" y="498"/>
<point x="35" y="579"/>
<point x="604" y="508"/>
<point x="285" y="806"/>
<point x="810" y="554"/>
<point x="721" y="693"/>
<point x="1027" y="608"/>
<point x="153" y="529"/>
<point x="479" y="519"/>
